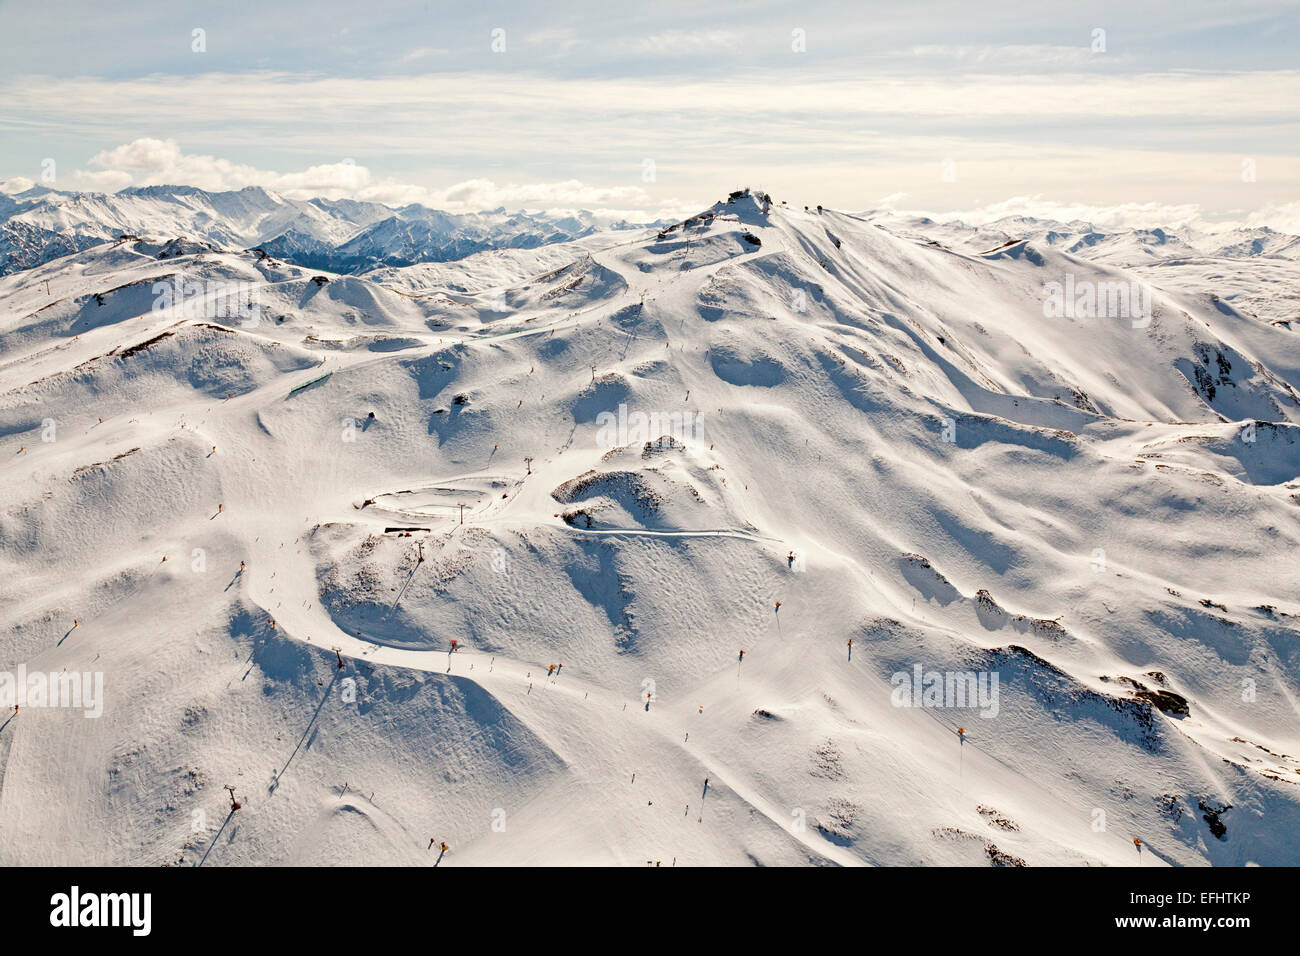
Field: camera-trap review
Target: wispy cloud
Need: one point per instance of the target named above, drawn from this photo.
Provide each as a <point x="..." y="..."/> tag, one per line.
<point x="1022" y="57"/>
<point x="274" y="97"/>
<point x="686" y="42"/>
<point x="957" y="105"/>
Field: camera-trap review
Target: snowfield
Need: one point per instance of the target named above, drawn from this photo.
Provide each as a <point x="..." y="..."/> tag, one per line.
<point x="265" y="510"/>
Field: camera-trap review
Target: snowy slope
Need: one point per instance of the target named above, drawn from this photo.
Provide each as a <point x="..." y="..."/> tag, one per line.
<point x="652" y="439"/>
<point x="1255" y="269"/>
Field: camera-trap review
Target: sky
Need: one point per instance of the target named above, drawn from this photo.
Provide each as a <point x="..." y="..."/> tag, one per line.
<point x="1152" y="113"/>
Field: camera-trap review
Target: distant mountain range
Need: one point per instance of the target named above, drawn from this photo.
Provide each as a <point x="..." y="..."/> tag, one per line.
<point x="1122" y="247"/>
<point x="337" y="235"/>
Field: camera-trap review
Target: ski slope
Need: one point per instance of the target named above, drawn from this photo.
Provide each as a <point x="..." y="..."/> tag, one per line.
<point x="894" y="443"/>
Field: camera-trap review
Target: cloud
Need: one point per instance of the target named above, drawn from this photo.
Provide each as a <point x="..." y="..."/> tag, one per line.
<point x="143" y="153"/>
<point x="670" y="42"/>
<point x="557" y="40"/>
<point x="403" y="106"/>
<point x="1284" y="217"/>
<point x="423" y="53"/>
<point x="151" y="162"/>
<point x="485" y="194"/>
<point x="104" y="180"/>
<point x="1019" y="56"/>
<point x="344" y="177"/>
<point x="148" y="161"/>
<point x="567" y="197"/>
<point x="1132" y="215"/>
<point x="890" y="201"/>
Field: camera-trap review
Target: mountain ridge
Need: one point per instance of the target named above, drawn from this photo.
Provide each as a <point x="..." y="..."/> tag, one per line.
<point x="344" y="235"/>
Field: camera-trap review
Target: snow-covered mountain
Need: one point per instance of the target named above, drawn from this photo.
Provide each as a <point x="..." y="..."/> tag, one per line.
<point x="858" y="541"/>
<point x="1124" y="247"/>
<point x="339" y="235"/>
<point x="1256" y="268"/>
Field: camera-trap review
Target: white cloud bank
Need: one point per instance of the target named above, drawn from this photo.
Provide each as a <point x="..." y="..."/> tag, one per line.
<point x="1282" y="217"/>
<point x="148" y="161"/>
